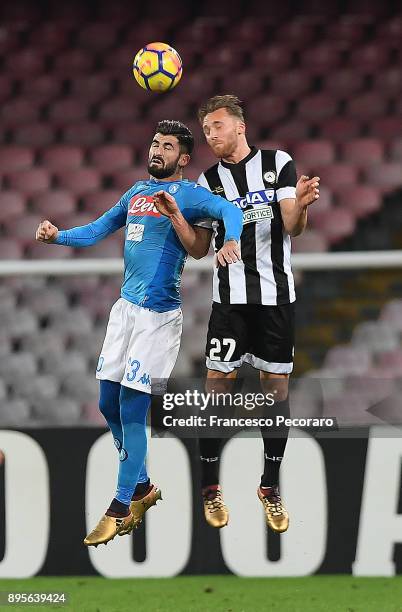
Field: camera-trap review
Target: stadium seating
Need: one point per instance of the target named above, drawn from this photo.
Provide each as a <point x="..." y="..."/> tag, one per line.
<point x="340" y="129"/>
<point x="83" y="133"/>
<point x="15" y="412"/>
<point x="29" y="181"/>
<point x="112" y="157"/>
<point x="37" y="134"/>
<point x="79" y="181"/>
<point x="361" y="200"/>
<point x="97" y="202"/>
<point x="363" y="151"/>
<point x="75" y="131"/>
<point x="12" y="205"/>
<point x="54" y="203"/>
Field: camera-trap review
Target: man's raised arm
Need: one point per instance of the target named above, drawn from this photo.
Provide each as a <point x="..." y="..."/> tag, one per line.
<point x="196" y="240"/>
<point x="85" y="235"/>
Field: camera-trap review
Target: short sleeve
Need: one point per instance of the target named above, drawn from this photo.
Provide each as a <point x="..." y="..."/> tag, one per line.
<point x="203" y="181"/>
<point x="287" y="178"/>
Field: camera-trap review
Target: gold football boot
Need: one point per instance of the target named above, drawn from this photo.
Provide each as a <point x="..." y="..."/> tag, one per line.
<point x="276" y="515"/>
<point x="107" y="528"/>
<point x="215" y="511"/>
<point x="139" y="507"/>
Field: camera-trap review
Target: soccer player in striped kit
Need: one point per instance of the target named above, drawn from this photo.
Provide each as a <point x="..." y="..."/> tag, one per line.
<point x="252" y="319"/>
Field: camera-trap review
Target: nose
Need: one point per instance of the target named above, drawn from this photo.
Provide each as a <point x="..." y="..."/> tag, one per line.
<point x="157" y="150"/>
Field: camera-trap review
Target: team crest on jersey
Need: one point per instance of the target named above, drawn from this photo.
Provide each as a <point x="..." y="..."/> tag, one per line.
<point x="141" y="206"/>
<point x="255" y="198"/>
<point x="172" y="189"/>
<point x="218" y="190"/>
<point x="270" y="176"/>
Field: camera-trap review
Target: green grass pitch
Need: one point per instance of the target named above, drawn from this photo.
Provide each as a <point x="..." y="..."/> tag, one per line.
<point x="215" y="594"/>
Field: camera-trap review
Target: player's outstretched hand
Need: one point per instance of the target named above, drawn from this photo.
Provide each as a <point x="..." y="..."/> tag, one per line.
<point x="46" y="232"/>
<point x="229" y="253"/>
<point x="165" y="203"/>
<point x="307" y="190"/>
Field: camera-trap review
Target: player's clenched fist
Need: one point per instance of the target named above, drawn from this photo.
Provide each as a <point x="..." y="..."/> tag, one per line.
<point x="229" y="253"/>
<point x="46" y="232"/>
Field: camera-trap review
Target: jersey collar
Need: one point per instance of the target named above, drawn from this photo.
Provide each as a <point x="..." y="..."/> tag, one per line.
<point x="243" y="161"/>
<point x="160" y="182"/>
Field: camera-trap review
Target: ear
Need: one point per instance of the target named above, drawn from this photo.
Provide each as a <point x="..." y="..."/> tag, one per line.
<point x="241" y="128"/>
<point x="184" y="159"/>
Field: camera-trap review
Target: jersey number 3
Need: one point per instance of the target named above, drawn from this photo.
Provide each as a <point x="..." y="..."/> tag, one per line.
<point x="215" y="353"/>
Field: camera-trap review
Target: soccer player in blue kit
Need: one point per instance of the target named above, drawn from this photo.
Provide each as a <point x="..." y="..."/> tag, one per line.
<point x="142" y="340"/>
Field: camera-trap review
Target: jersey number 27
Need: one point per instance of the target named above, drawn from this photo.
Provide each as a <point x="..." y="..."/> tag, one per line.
<point x="217" y="346"/>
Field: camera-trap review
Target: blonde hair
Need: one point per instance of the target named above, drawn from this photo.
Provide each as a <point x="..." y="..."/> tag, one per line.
<point x="231" y="103"/>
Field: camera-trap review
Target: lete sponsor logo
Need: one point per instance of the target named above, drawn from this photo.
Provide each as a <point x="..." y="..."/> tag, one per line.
<point x="141" y="206"/>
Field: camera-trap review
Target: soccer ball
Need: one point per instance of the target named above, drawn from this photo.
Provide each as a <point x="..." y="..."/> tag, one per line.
<point x="157" y="67"/>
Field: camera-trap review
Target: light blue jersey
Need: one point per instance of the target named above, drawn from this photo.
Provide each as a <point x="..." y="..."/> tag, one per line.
<point x="154" y="257"/>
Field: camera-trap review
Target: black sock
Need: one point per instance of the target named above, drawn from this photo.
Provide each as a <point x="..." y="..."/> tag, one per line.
<point x="274" y="446"/>
<point x="117" y="508"/>
<point x="210" y="458"/>
<point x="141" y="488"/>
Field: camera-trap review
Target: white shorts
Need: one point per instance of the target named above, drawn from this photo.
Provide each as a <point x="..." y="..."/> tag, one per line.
<point x="140" y="347"/>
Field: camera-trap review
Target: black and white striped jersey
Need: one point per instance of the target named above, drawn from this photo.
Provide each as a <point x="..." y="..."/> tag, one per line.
<point x="256" y="185"/>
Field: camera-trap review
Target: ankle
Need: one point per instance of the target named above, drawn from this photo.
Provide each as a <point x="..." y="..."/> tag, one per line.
<point x="117" y="509"/>
<point x="142" y="491"/>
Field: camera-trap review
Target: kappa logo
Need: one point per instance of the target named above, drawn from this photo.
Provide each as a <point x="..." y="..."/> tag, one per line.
<point x="141" y="206"/>
<point x="123" y="454"/>
<point x="218" y="190"/>
<point x="276" y="459"/>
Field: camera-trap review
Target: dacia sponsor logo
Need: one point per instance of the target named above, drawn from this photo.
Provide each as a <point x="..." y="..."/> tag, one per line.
<point x="256" y="197"/>
<point x="141" y="206"/>
<point x="257" y="214"/>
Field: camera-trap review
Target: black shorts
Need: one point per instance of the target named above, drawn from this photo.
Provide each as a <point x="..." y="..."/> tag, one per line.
<point x="262" y="336"/>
